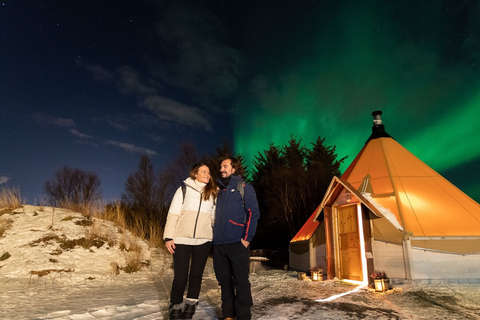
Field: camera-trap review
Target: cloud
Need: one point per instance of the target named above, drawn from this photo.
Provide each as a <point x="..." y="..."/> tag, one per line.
<point x="4" y="179"/>
<point x="129" y="81"/>
<point x="119" y="122"/>
<point x="124" y="122"/>
<point x="99" y="73"/>
<point x="170" y="110"/>
<point x="56" y="121"/>
<point x="79" y="134"/>
<point x="131" y="148"/>
<point x="163" y="108"/>
<point x="157" y="138"/>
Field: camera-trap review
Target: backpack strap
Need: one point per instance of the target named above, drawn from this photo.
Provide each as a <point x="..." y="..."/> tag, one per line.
<point x="184" y="190"/>
<point x="241" y="190"/>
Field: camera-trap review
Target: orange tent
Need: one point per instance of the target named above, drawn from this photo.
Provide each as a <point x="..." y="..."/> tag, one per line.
<point x="423" y="202"/>
<point x="402" y="203"/>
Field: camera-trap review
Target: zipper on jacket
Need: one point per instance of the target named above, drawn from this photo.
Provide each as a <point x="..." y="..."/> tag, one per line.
<point x="222" y="217"/>
<point x="198" y="214"/>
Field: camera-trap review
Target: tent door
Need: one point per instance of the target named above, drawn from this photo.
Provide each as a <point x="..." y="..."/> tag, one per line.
<point x="349" y="243"/>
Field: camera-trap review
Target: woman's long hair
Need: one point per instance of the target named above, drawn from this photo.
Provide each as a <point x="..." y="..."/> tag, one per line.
<point x="210" y="190"/>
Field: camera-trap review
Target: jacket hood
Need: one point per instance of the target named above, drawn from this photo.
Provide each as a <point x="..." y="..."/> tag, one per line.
<point x="194" y="184"/>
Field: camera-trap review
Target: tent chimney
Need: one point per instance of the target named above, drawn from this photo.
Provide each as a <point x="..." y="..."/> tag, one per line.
<point x="378" y="129"/>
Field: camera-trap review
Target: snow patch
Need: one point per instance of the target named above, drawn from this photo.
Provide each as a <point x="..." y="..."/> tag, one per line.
<point x="384" y="211"/>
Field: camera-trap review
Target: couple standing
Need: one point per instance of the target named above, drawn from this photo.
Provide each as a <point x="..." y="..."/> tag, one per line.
<point x="189" y="237"/>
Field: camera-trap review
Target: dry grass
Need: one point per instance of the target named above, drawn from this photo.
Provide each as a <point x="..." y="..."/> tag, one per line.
<point x="135" y="262"/>
<point x="42" y="273"/>
<point x="4" y="226"/>
<point x="68" y="218"/>
<point x="46" y="240"/>
<point x="10" y="198"/>
<point x="126" y="236"/>
<point x="156" y="236"/>
<point x="68" y="244"/>
<point x="149" y="231"/>
<point x="86" y="209"/>
<point x="114" y="214"/>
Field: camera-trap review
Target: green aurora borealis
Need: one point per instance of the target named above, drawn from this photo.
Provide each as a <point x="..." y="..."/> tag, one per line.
<point x="417" y="61"/>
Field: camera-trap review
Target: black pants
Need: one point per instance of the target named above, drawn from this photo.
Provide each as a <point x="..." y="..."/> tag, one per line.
<point x="181" y="266"/>
<point x="231" y="264"/>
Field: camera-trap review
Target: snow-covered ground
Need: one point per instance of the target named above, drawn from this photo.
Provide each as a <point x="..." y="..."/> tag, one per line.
<point x="48" y="275"/>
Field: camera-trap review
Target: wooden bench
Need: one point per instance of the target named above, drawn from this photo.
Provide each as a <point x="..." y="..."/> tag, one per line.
<point x="256" y="263"/>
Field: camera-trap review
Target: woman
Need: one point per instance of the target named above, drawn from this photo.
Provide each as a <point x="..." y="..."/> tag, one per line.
<point x="188" y="235"/>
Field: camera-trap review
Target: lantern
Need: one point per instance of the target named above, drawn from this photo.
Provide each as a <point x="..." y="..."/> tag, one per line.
<point x="317" y="274"/>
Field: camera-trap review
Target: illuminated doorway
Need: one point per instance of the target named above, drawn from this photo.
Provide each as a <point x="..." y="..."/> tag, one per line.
<point x="348" y="243"/>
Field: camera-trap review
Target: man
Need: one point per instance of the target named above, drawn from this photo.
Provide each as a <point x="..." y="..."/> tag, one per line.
<point x="235" y="225"/>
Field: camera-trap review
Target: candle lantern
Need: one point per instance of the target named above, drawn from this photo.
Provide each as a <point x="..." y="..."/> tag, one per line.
<point x="314" y="275"/>
<point x="317" y="274"/>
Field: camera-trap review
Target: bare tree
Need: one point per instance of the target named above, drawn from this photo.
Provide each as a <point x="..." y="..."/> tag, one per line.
<point x="179" y="169"/>
<point x="172" y="177"/>
<point x="74" y="189"/>
<point x="140" y="196"/>
<point x="165" y="191"/>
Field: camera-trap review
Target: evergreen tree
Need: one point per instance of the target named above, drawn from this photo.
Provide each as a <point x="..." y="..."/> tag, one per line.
<point x="290" y="182"/>
<point x="214" y="160"/>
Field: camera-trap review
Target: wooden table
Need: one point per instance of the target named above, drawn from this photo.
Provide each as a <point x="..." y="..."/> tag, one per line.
<point x="256" y="263"/>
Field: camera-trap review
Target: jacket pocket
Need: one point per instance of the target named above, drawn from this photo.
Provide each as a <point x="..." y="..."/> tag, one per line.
<point x="235" y="223"/>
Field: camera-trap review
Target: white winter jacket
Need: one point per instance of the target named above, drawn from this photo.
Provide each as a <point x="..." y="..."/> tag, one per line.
<point x="190" y="219"/>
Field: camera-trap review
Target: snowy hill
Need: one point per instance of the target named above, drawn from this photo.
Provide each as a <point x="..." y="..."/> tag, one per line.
<point x="59" y="243"/>
<point x="56" y="263"/>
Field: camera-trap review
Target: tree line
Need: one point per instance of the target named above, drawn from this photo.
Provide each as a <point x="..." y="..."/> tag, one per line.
<point x="290" y="181"/>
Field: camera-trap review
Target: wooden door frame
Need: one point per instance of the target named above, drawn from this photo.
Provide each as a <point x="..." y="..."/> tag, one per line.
<point x="336" y="246"/>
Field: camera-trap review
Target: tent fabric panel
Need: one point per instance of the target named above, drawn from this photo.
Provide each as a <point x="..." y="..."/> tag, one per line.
<point x="433" y="208"/>
<point x="377" y="165"/>
<point x="402" y="162"/>
<point x="318" y="237"/>
<point x="300" y="247"/>
<point x="371" y="162"/>
<point x="463" y="200"/>
<point x="347" y="172"/>
<point x="384" y="230"/>
<point x="458" y="246"/>
<point x="307" y="230"/>
<point x="382" y="185"/>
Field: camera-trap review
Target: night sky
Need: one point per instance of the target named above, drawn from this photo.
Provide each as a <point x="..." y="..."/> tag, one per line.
<point x="95" y="84"/>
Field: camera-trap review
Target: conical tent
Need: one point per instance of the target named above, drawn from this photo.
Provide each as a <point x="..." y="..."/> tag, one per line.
<point x="401" y="208"/>
<point x="423" y="202"/>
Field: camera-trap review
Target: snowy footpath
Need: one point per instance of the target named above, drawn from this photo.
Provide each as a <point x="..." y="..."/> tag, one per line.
<point x="40" y="279"/>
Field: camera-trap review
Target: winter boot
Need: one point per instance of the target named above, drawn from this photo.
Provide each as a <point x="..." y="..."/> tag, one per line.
<point x="175" y="311"/>
<point x="190" y="307"/>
